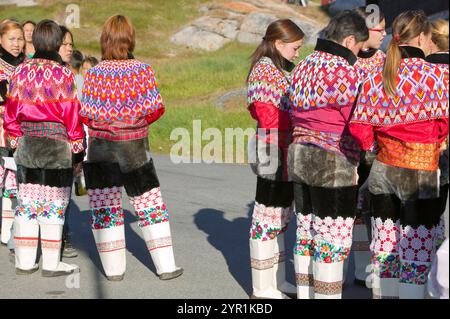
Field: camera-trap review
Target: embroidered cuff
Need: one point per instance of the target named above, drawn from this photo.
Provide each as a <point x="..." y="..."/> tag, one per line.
<point x="77" y="146"/>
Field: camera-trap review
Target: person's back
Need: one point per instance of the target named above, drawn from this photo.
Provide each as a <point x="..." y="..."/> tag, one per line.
<point x="323" y="158"/>
<point x="419" y="101"/>
<point x="403" y="112"/>
<point x="120" y="99"/>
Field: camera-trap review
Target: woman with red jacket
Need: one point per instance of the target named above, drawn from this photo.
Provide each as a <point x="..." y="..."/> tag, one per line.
<point x="42" y="124"/>
<point x="403" y="107"/>
<point x="268" y="103"/>
<point x="120" y="100"/>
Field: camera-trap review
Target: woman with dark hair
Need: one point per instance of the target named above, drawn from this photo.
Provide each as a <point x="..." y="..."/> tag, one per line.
<point x="43" y="125"/>
<point x="28" y="28"/>
<point x="11" y="44"/>
<point x="369" y="57"/>
<point x="403" y="107"/>
<point x="268" y="83"/>
<point x="120" y="100"/>
<point x="67" y="45"/>
<point x="66" y="53"/>
<point x="323" y="157"/>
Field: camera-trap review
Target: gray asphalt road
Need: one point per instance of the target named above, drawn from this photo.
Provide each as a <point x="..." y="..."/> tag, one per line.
<point x="210" y="207"/>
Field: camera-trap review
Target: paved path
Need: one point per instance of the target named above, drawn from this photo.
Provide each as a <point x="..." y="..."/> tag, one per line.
<point x="210" y="207"/>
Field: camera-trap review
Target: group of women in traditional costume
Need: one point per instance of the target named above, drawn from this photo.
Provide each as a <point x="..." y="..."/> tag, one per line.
<point x="362" y="136"/>
<point x="351" y="144"/>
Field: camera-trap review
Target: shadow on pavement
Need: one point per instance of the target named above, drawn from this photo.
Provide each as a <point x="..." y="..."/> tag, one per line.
<point x="231" y="239"/>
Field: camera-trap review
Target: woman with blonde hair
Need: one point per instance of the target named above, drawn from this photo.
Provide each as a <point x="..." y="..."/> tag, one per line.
<point x="268" y="103"/>
<point x="120" y="100"/>
<point x="403" y="107"/>
<point x="439" y="56"/>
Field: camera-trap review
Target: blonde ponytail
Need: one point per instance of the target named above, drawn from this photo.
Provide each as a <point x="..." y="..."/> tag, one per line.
<point x="390" y="70"/>
<point x="407" y="26"/>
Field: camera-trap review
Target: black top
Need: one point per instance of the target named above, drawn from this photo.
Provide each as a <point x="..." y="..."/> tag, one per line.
<point x="336" y="49"/>
<point x="438" y="58"/>
<point x="48" y="55"/>
<point x="411" y="52"/>
<point x="366" y="54"/>
<point x="11" y="59"/>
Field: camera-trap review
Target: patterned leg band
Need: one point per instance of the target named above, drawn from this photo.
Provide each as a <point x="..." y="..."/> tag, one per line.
<point x="106" y="247"/>
<point x="327" y="288"/>
<point x="159" y="243"/>
<point x="262" y="264"/>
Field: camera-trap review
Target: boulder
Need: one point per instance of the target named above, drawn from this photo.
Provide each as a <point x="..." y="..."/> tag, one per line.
<point x="257" y="22"/>
<point x="249" y="38"/>
<point x="311" y="31"/>
<point x="195" y="38"/>
<point x="224" y="27"/>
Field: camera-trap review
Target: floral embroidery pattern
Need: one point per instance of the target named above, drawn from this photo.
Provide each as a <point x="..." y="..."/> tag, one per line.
<point x="10" y="185"/>
<point x="268" y="222"/>
<point x="386" y="265"/>
<point x="413" y="273"/>
<point x="304" y="247"/>
<point x="107" y="217"/>
<point x="154" y="215"/>
<point x="328" y="253"/>
<point x="277" y="217"/>
<point x="42" y="210"/>
<point x="10" y="193"/>
<point x="264" y="231"/>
